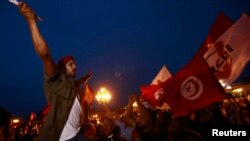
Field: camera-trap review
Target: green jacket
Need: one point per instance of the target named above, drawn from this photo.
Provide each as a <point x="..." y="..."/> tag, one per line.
<point x="60" y="93"/>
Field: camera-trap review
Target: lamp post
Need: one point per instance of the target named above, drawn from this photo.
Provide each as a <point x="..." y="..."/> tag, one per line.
<point x="103" y="96"/>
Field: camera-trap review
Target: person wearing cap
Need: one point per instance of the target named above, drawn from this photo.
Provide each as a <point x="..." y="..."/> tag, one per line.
<point x="64" y="119"/>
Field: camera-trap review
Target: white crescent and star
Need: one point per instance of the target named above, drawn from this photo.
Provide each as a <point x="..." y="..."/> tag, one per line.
<point x="159" y="94"/>
<point x="191" y="88"/>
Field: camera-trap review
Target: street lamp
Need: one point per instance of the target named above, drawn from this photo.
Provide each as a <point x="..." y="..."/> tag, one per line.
<point x="103" y="96"/>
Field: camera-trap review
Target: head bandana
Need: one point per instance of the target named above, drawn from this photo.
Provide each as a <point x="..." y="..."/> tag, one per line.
<point x="66" y="59"/>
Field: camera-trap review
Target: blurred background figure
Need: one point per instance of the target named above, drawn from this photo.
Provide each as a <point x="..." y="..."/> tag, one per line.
<point x="5" y="121"/>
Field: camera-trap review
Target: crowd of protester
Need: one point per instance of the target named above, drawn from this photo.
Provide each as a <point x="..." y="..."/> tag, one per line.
<point x="69" y="120"/>
<point x="143" y="124"/>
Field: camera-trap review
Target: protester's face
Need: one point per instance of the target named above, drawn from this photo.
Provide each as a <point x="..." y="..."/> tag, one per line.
<point x="70" y="67"/>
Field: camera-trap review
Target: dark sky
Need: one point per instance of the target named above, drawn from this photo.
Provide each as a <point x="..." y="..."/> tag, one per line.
<point x="123" y="42"/>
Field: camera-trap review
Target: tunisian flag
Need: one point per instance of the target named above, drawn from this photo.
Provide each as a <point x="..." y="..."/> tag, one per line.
<point x="155" y="99"/>
<point x="192" y="88"/>
<point x="221" y="24"/>
<point x="154" y="94"/>
<point x="229" y="55"/>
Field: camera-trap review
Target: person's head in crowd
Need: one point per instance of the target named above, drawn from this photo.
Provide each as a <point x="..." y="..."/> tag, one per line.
<point x="142" y="122"/>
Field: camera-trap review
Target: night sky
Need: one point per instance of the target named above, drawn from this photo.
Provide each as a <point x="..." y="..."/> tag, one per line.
<point x="123" y="42"/>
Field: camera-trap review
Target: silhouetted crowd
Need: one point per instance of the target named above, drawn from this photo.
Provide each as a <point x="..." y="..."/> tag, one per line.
<point x="143" y="124"/>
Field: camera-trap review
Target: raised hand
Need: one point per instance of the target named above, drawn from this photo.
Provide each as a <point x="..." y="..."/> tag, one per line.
<point x="27" y="12"/>
<point x="83" y="80"/>
<point x="89" y="75"/>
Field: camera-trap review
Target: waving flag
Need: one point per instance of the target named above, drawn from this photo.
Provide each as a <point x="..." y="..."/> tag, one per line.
<point x="88" y="94"/>
<point x="162" y="75"/>
<point x="192" y="88"/>
<point x="153" y="94"/>
<point x="231" y="52"/>
<point x="155" y="99"/>
<point x="221" y="24"/>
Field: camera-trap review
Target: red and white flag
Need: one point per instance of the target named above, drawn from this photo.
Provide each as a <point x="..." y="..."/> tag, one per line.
<point x="153" y="94"/>
<point x="228" y="56"/>
<point x="221" y="24"/>
<point x="192" y="88"/>
<point x="154" y="99"/>
<point x="88" y="94"/>
<point x="162" y="76"/>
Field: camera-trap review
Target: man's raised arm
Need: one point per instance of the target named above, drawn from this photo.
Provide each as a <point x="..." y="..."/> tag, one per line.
<point x="39" y="43"/>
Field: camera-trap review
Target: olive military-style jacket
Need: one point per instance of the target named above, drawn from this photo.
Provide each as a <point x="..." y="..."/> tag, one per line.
<point x="60" y="93"/>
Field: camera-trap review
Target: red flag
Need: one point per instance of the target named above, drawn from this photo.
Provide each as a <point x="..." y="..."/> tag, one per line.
<point x="153" y="94"/>
<point x="155" y="99"/>
<point x="192" y="88"/>
<point x="88" y="94"/>
<point x="221" y="24"/>
<point x="231" y="52"/>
